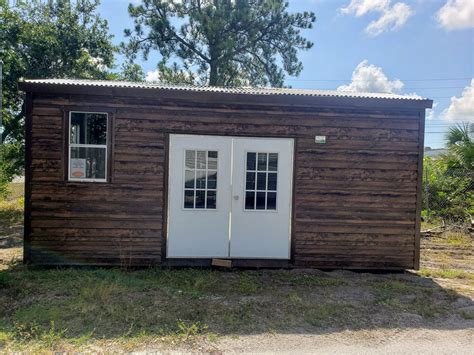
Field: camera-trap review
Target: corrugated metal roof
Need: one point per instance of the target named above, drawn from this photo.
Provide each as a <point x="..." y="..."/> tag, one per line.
<point x="240" y="90"/>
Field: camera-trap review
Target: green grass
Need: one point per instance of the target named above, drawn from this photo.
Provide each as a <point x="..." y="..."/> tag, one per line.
<point x="11" y="212"/>
<point x="71" y="308"/>
<point x="447" y="273"/>
<point x="458" y="239"/>
<point x="114" y="303"/>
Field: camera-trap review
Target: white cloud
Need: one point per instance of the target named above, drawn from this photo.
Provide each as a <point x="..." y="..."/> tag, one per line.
<point x="370" y="78"/>
<point x="456" y="14"/>
<point x="461" y="108"/>
<point x="430" y="113"/>
<point x="392" y="17"/>
<point x="152" y="75"/>
<point x="362" y="7"/>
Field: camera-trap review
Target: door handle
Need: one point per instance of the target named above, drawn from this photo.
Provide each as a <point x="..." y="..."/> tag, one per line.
<point x="236" y="197"/>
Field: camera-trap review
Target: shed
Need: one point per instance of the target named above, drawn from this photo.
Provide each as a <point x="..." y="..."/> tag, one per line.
<point x="121" y="173"/>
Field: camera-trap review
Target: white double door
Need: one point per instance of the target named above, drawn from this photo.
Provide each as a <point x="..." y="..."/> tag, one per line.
<point x="229" y="197"/>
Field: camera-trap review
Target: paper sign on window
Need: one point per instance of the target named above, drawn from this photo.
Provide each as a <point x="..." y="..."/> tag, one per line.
<point x="78" y="168"/>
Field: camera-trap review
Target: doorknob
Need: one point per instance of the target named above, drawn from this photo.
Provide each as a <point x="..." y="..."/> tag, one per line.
<point x="236" y="197"/>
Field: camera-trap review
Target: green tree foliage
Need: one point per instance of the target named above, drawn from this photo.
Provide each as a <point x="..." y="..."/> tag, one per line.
<point x="46" y="39"/>
<point x="131" y="72"/>
<point x="223" y="42"/>
<point x="448" y="194"/>
<point x="449" y="180"/>
<point x="461" y="146"/>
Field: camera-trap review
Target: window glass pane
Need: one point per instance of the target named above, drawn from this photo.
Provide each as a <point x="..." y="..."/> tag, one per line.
<point x="212" y="179"/>
<point x="211" y="199"/>
<point x="200" y="198"/>
<point x="201" y="159"/>
<point x="262" y="161"/>
<point x="201" y="179"/>
<point x="88" y="128"/>
<point x="249" y="200"/>
<point x="271" y="200"/>
<point x="261" y="181"/>
<point x="251" y="161"/>
<point x="189" y="179"/>
<point x="190" y="159"/>
<point x="250" y="181"/>
<point x="260" y="200"/>
<point x="87" y="163"/>
<point x="272" y="181"/>
<point x="273" y="161"/>
<point x="212" y="160"/>
<point x="189" y="199"/>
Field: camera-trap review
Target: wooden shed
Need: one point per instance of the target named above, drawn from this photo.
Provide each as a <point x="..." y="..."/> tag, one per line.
<point x="137" y="174"/>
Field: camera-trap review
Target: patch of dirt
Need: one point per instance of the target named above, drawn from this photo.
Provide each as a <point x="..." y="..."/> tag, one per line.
<point x="412" y="341"/>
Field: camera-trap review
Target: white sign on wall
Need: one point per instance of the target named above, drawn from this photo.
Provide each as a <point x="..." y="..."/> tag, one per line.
<point x="78" y="168"/>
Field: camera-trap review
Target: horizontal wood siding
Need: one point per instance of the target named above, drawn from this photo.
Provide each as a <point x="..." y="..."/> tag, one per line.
<point x="355" y="196"/>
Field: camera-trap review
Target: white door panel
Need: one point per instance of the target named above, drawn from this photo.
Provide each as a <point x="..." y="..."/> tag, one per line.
<point x="193" y="231"/>
<point x="261" y="230"/>
<point x="230" y="217"/>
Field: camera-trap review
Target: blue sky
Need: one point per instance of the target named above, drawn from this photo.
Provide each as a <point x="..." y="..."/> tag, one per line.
<point x="419" y="46"/>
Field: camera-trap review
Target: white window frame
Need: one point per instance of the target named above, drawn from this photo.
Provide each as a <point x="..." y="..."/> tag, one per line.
<point x="76" y="145"/>
<point x="184" y="189"/>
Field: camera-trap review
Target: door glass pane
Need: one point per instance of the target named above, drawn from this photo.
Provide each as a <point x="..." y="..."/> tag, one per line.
<point x="200" y="179"/>
<point x="191" y="159"/>
<point x="200" y="198"/>
<point x="271" y="200"/>
<point x="211" y="199"/>
<point x="262" y="185"/>
<point x="260" y="200"/>
<point x="212" y="180"/>
<point x="261" y="181"/>
<point x="189" y="179"/>
<point x="250" y="200"/>
<point x="189" y="199"/>
<point x="262" y="161"/>
<point x="272" y="181"/>
<point x="273" y="161"/>
<point x="250" y="182"/>
<point x="201" y="159"/>
<point x="251" y="161"/>
<point x="212" y="160"/>
<point x="87" y="163"/>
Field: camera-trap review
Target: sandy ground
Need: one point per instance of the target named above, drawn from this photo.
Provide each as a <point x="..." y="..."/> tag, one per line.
<point x="413" y="341"/>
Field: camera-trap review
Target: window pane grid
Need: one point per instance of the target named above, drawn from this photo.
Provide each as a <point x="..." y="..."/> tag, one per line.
<point x="261" y="181"/>
<point x="200" y="182"/>
<point x="88" y="146"/>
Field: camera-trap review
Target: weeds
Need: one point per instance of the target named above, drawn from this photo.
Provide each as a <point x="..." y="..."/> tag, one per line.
<point x="331" y="315"/>
<point x="447" y="273"/>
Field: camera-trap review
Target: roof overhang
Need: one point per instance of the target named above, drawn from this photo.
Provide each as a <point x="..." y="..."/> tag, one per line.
<point x="284" y="97"/>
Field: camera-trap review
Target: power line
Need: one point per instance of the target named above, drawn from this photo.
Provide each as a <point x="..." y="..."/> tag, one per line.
<point x="345" y="80"/>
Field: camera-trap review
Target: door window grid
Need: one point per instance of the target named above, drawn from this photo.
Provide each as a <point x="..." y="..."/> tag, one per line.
<point x="261" y="181"/>
<point x="200" y="183"/>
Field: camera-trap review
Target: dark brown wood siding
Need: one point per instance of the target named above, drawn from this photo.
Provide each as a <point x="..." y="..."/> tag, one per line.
<point x="355" y="203"/>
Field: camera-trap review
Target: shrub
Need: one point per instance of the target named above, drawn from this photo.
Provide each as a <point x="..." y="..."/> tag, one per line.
<point x="448" y="191"/>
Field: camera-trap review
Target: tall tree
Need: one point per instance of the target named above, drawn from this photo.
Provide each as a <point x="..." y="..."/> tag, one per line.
<point x="46" y="39"/>
<point x="224" y="42"/>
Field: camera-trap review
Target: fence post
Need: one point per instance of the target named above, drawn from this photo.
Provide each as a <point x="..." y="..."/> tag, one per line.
<point x="427" y="204"/>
